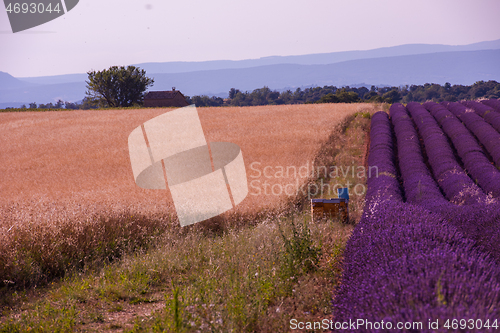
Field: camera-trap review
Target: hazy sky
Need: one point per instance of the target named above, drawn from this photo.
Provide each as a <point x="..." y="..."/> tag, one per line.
<point x="97" y="34"/>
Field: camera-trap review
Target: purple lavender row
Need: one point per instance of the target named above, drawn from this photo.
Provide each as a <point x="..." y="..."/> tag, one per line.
<point x="479" y="222"/>
<point x="492" y="103"/>
<point x="452" y="179"/>
<point x="491" y="117"/>
<point x="419" y="185"/>
<point x="486" y="134"/>
<point x="403" y="263"/>
<point x="472" y="155"/>
<point x="382" y="181"/>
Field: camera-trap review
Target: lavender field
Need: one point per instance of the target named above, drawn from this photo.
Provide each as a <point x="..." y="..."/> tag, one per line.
<point x="426" y="250"/>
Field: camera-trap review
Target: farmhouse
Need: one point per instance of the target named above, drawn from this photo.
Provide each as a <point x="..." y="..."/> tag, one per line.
<point x="165" y="99"/>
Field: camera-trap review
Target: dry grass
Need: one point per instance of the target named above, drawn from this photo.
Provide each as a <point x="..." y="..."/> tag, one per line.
<point x="274" y="137"/>
<point x="67" y="187"/>
<point x="83" y="155"/>
<point x="247" y="280"/>
<point x="46" y="233"/>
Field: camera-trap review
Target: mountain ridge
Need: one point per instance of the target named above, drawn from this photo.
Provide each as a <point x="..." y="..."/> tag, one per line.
<point x="316" y="59"/>
<point x="307" y="59"/>
<point x="465" y="67"/>
<point x="456" y="67"/>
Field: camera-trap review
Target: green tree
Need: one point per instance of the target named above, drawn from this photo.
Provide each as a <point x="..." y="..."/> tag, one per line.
<point x="298" y="95"/>
<point x="392" y="96"/>
<point x="233" y="92"/>
<point x="69" y="105"/>
<point x="46" y="106"/>
<point x="88" y="103"/>
<point x="118" y="86"/>
<point x="59" y="104"/>
<point x="259" y="96"/>
<point x="345" y="96"/>
<point x="328" y="98"/>
<point x="240" y="99"/>
<point x="204" y="100"/>
<point x="286" y="97"/>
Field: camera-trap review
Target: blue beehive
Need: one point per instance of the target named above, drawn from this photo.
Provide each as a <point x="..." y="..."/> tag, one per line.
<point x="343" y="193"/>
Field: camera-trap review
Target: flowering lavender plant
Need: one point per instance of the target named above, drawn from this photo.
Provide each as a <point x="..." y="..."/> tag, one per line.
<point x="473" y="157"/>
<point x="452" y="179"/>
<point x="493" y="103"/>
<point x="485" y="111"/>
<point x="486" y="134"/>
<point x="426" y="258"/>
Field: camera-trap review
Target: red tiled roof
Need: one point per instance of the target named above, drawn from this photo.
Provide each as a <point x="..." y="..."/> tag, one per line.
<point x="161" y="94"/>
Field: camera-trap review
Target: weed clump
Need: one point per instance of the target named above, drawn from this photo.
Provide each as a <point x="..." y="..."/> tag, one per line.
<point x="300" y="255"/>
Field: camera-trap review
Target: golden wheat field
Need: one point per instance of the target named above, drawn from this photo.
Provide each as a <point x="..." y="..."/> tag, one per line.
<point x="69" y="202"/>
<point x="80" y="158"/>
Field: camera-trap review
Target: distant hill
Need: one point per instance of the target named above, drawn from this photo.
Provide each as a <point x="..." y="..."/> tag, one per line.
<point x="465" y="67"/>
<point x="308" y="59"/>
<point x="393" y="66"/>
<point x="70" y="92"/>
<point x="314" y="59"/>
<point x="55" y="79"/>
<point x="7" y="81"/>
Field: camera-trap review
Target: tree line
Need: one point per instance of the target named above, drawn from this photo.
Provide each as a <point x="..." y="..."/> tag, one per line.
<point x="331" y="94"/>
<point x="85" y="104"/>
